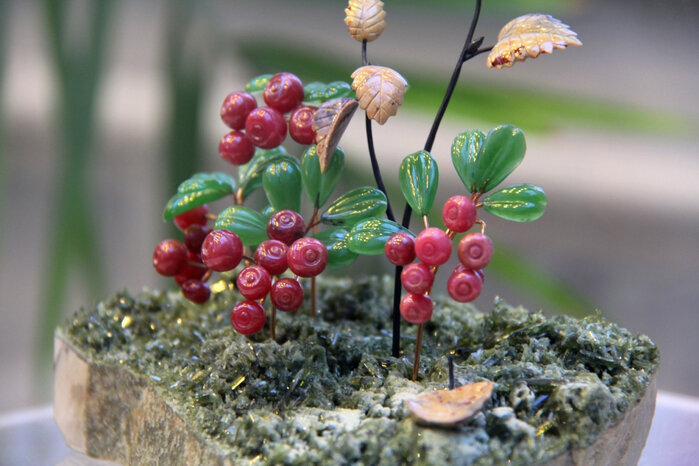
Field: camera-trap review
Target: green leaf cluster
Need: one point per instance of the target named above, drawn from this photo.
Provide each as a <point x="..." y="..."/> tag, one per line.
<point x="484" y="161"/>
<point x="198" y="190"/>
<point x="319" y="92"/>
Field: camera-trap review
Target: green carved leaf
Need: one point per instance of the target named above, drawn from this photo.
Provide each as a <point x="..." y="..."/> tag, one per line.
<point x="484" y="164"/>
<point x="320" y="92"/>
<point x="258" y="83"/>
<point x="198" y="190"/>
<point x="369" y="236"/>
<point x="418" y="178"/>
<point x="319" y="186"/>
<point x="520" y="203"/>
<point x="250" y="174"/>
<point x="464" y="150"/>
<point x="356" y="205"/>
<point x="249" y="224"/>
<point x="335" y="239"/>
<point x="282" y="183"/>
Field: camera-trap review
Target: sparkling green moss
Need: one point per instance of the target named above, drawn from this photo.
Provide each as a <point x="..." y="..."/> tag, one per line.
<point x="327" y="391"/>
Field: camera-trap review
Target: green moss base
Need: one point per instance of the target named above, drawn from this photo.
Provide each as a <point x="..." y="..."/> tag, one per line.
<point x="327" y="390"/>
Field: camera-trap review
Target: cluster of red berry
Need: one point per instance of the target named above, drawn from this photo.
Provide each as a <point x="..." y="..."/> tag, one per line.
<point x="265" y="127"/>
<point x="433" y="247"/>
<point x="204" y="251"/>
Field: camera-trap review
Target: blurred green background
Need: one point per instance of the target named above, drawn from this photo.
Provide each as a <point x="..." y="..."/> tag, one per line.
<point x="106" y="106"/>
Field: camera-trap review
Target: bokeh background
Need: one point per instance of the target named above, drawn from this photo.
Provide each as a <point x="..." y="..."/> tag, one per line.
<point x="105" y="106"/>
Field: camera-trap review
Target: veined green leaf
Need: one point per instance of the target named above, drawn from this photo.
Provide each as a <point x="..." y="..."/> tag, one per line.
<point x="335" y="240"/>
<point x="418" y="178"/>
<point x="484" y="164"/>
<point x="358" y="204"/>
<point x="319" y="186"/>
<point x="258" y="83"/>
<point x="319" y="92"/>
<point x="248" y="224"/>
<point x="282" y="183"/>
<point x="464" y="150"/>
<point x="519" y="203"/>
<point x="198" y="190"/>
<point x="250" y="174"/>
<point x="369" y="236"/>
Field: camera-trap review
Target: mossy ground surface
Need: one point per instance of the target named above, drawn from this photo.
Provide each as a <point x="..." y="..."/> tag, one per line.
<point x="327" y="390"/>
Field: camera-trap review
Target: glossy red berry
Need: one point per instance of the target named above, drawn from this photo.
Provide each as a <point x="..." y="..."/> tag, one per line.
<point x="307" y="257"/>
<point x="248" y="317"/>
<point x="286" y="226"/>
<point x="236" y="148"/>
<point x="475" y="250"/>
<point x="196" y="216"/>
<point x="265" y="127"/>
<point x="400" y="249"/>
<point x="417" y="278"/>
<point x="194" y="236"/>
<point x="433" y="246"/>
<point x="196" y="291"/>
<point x="459" y="213"/>
<point x="287" y="294"/>
<point x="254" y="282"/>
<point x="193" y="270"/>
<point x="464" y="285"/>
<point x="271" y="255"/>
<point x="416" y="308"/>
<point x="301" y="125"/>
<point x="283" y="92"/>
<point x="236" y="107"/>
<point x="169" y="257"/>
<point x="462" y="268"/>
<point x="222" y="250"/>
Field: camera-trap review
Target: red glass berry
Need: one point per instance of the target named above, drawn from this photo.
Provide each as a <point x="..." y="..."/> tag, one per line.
<point x="459" y="213"/>
<point x="287" y="294"/>
<point x="475" y="250"/>
<point x="194" y="236"/>
<point x="400" y="249"/>
<point x="169" y="257"/>
<point x="236" y="107"/>
<point x="193" y="270"/>
<point x="283" y="92"/>
<point x="271" y="255"/>
<point x="286" y="226"/>
<point x="248" y="317"/>
<point x="464" y="285"/>
<point x="301" y="125"/>
<point x="236" y="148"/>
<point x="307" y="257"/>
<point x="416" y="308"/>
<point x="254" y="282"/>
<point x="196" y="291"/>
<point x="417" y="278"/>
<point x="222" y="250"/>
<point x="265" y="127"/>
<point x="462" y="268"/>
<point x="196" y="216"/>
<point x="433" y="246"/>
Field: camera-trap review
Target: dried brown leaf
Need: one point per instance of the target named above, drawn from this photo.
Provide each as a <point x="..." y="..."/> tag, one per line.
<point x="449" y="407"/>
<point x="380" y="91"/>
<point x="365" y="19"/>
<point x="529" y="36"/>
<point x="329" y="123"/>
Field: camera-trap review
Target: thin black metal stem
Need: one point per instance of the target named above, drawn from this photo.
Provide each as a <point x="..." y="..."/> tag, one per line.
<point x="375" y="167"/>
<point x="365" y="60"/>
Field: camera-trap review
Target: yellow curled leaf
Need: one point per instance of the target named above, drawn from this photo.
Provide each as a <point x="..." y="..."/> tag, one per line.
<point x="380" y="91"/>
<point x="329" y="123"/>
<point x="529" y="36"/>
<point x="449" y="407"/>
<point x="365" y="19"/>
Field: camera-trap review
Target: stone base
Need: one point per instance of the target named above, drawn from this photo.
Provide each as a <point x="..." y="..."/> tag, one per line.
<point x="108" y="412"/>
